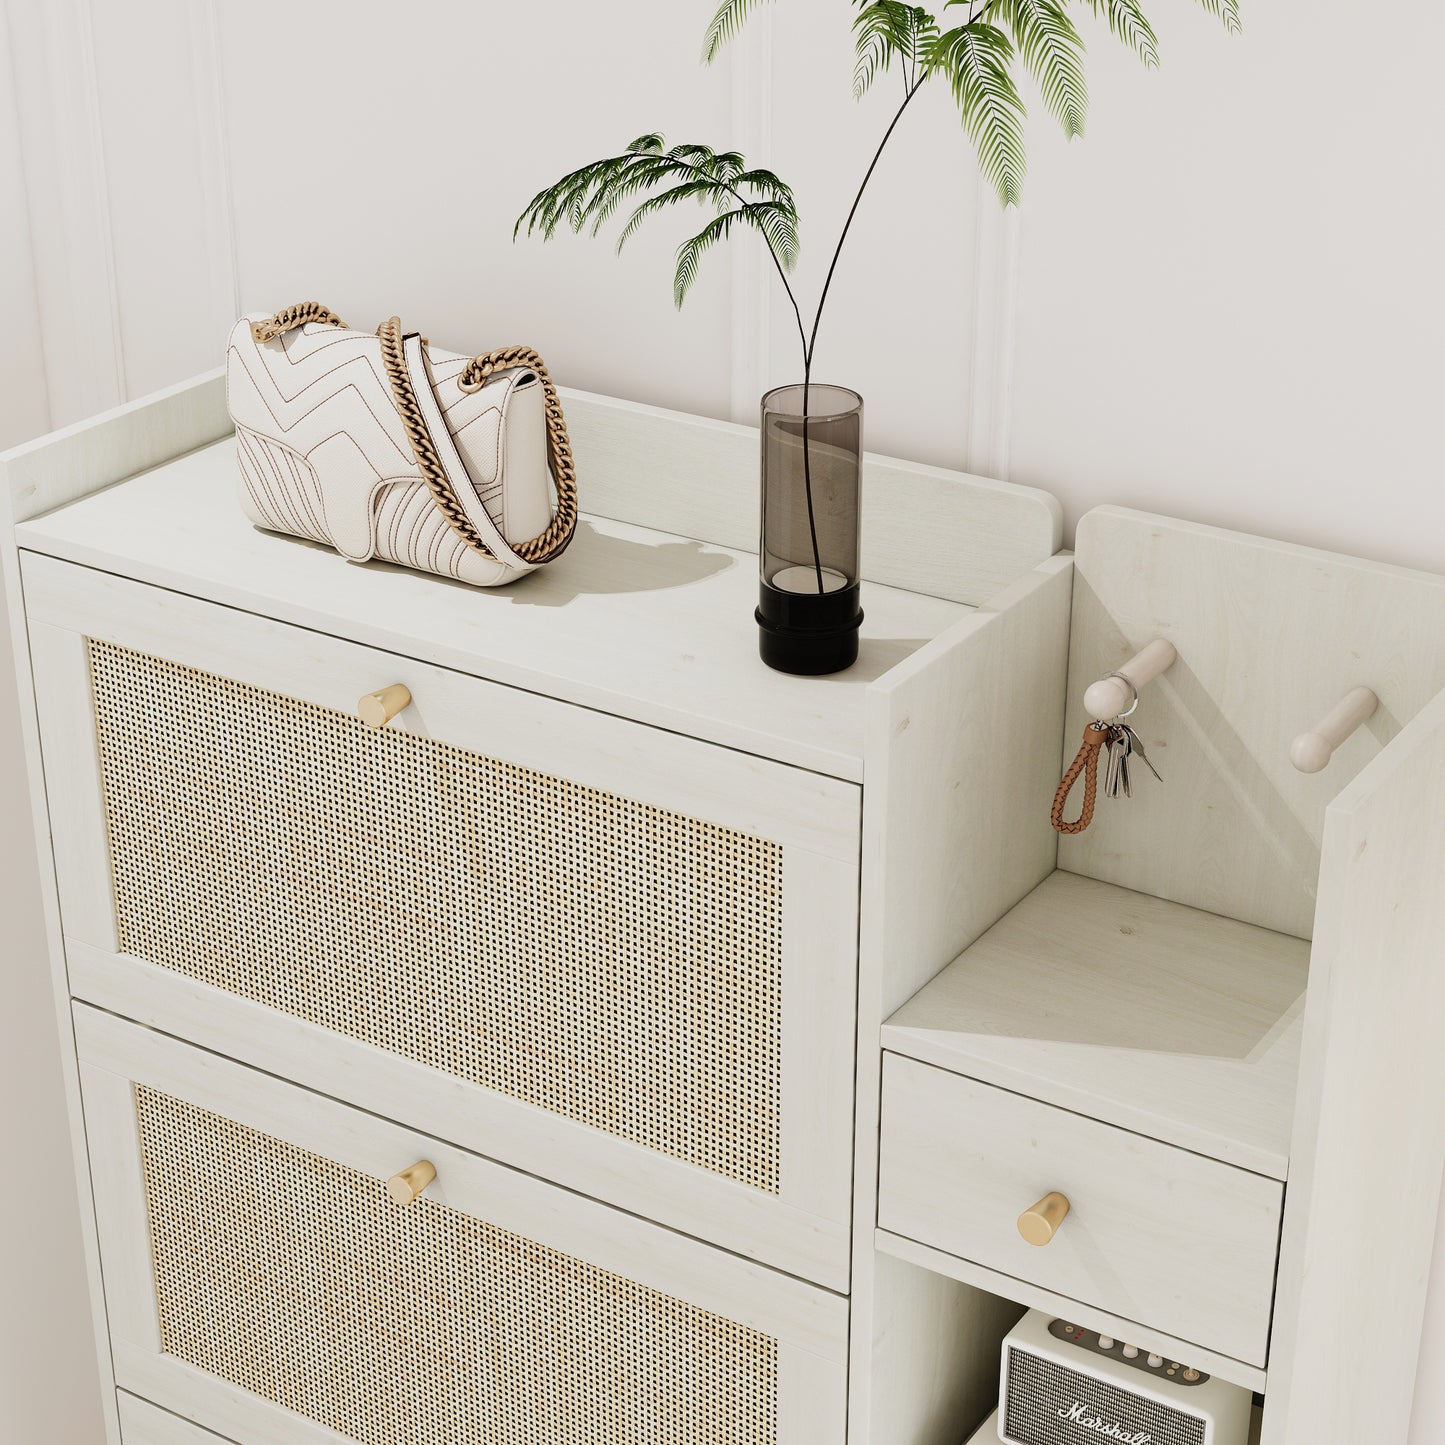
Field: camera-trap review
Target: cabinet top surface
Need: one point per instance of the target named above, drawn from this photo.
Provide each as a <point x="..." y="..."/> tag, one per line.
<point x="1175" y="1023"/>
<point x="640" y="623"/>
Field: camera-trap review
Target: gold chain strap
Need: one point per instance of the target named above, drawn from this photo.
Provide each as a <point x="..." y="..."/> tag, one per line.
<point x="542" y="548"/>
<point x="553" y="542"/>
<point x="291" y="317"/>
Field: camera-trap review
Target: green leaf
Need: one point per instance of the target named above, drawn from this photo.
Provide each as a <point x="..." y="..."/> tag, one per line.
<point x="1132" y="26"/>
<point x="1053" y="51"/>
<point x="725" y="25"/>
<point x="976" y="59"/>
<point x="691" y="252"/>
<point x="656" y="180"/>
<point x="1226" y="11"/>
<point x="886" y="30"/>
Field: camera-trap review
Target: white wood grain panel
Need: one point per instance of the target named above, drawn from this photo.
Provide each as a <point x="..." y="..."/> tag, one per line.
<point x="820" y="991"/>
<point x="76" y="810"/>
<point x="653" y="766"/>
<point x="115" y="1155"/>
<point x="118" y="1055"/>
<point x="1270" y="636"/>
<point x="93" y="454"/>
<point x="1163" y="1019"/>
<point x="1034" y="1296"/>
<point x="778" y="1230"/>
<point x="1370" y="1132"/>
<point x="640" y="623"/>
<point x="924" y="528"/>
<point x="936" y="786"/>
<point x="145" y="1424"/>
<point x="1154" y="1233"/>
<point x="39" y="832"/>
<point x="935" y="1352"/>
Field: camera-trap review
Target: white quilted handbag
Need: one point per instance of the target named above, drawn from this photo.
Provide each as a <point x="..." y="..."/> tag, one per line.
<point x="382" y="446"/>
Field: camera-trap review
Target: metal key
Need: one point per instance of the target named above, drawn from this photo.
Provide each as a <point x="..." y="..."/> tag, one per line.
<point x="1116" y="779"/>
<point x="1116" y="775"/>
<point x="1136" y="748"/>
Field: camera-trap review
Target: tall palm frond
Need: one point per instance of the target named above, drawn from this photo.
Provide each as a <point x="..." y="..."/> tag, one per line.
<point x="976" y="59"/>
<point x="1226" y="11"/>
<point x="1053" y="51"/>
<point x="887" y="30"/>
<point x="587" y="198"/>
<point x="1132" y="26"/>
<point x="730" y="18"/>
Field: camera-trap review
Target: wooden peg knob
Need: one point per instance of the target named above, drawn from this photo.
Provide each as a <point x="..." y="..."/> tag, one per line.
<point x="1040" y="1222"/>
<point x="405" y="1188"/>
<point x="378" y="708"/>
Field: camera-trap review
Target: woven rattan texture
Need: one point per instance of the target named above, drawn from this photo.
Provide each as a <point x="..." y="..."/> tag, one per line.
<point x="1042" y="1396"/>
<point x="297" y="1279"/>
<point x="603" y="959"/>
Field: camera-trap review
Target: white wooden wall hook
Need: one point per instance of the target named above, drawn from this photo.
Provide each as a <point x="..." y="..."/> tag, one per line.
<point x="1117" y="693"/>
<point x="1313" y="750"/>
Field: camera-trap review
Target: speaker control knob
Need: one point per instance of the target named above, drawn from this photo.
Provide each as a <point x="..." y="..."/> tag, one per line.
<point x="1131" y="1352"/>
<point x="1106" y="1342"/>
<point x="1154" y="1361"/>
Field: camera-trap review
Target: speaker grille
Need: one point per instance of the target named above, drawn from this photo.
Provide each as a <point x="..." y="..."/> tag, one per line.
<point x="296" y="1278"/>
<point x="1038" y="1389"/>
<point x="609" y="961"/>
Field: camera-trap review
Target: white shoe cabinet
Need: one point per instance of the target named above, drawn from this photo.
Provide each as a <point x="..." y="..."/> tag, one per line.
<point x="734" y="1019"/>
<point x="578" y="929"/>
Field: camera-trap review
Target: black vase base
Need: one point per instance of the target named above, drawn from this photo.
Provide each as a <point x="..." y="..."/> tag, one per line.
<point x="808" y="635"/>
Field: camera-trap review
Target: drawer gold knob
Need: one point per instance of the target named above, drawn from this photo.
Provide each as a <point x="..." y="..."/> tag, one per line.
<point x="378" y="708"/>
<point x="1040" y="1222"/>
<point x="405" y="1188"/>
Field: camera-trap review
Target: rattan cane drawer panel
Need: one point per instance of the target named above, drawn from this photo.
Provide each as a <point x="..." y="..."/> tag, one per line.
<point x="296" y="1279"/>
<point x="607" y="960"/>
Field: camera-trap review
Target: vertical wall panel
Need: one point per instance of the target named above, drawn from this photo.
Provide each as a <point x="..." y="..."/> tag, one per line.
<point x="1230" y="292"/>
<point x="154" y="83"/>
<point x="380" y="166"/>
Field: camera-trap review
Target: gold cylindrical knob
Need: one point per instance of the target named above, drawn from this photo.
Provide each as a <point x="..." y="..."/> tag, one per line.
<point x="406" y="1187"/>
<point x="378" y="708"/>
<point x="1040" y="1222"/>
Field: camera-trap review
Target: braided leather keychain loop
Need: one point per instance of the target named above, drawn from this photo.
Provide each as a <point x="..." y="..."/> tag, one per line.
<point x="542" y="548"/>
<point x="1087" y="763"/>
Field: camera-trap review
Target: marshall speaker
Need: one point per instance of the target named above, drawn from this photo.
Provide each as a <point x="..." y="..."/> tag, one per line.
<point x="1066" y="1385"/>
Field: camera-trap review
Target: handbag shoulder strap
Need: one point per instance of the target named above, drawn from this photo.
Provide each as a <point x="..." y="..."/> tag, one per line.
<point x="551" y="542"/>
<point x="432" y="444"/>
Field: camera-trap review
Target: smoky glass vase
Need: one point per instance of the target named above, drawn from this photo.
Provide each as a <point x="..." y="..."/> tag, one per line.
<point x="808" y="613"/>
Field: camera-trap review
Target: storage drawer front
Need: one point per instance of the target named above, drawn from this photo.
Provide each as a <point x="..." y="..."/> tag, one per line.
<point x="615" y="957"/>
<point x="142" y="1423"/>
<point x="600" y="958"/>
<point x="1180" y="1243"/>
<point x="499" y="1312"/>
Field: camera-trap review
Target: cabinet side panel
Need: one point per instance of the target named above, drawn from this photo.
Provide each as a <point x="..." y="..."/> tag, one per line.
<point x="962" y="760"/>
<point x="50" y="962"/>
<point x="1370" y="1130"/>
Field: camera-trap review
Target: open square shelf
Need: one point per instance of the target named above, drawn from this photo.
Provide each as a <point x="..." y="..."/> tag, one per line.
<point x="1166" y="1020"/>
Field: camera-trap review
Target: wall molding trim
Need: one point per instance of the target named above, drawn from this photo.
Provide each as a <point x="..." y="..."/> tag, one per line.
<point x="989" y="421"/>
<point x="750" y="339"/>
<point x="63" y="160"/>
<point x="213" y="135"/>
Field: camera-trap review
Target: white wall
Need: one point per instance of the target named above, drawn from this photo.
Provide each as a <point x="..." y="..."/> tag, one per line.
<point x="1224" y="305"/>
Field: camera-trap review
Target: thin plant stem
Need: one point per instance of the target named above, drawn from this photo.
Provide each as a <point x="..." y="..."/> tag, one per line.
<point x="847" y="225"/>
<point x="811" y="341"/>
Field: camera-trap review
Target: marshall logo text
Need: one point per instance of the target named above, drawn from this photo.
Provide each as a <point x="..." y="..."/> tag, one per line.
<point x="1078" y="1414"/>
